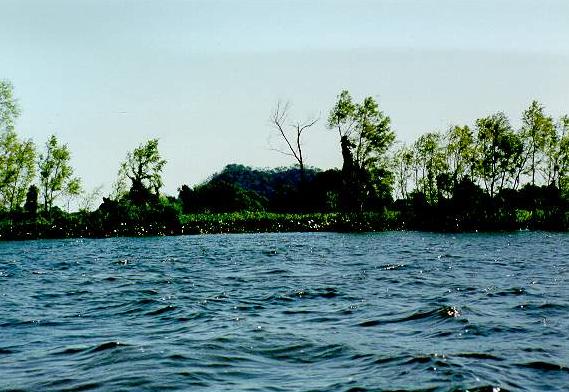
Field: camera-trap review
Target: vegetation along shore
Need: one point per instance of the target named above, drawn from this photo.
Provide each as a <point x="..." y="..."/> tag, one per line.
<point x="486" y="176"/>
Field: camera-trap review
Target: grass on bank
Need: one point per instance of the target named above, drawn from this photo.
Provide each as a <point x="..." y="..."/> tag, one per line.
<point x="77" y="225"/>
<point x="261" y="222"/>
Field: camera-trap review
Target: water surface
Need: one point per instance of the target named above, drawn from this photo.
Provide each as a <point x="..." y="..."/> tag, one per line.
<point x="287" y="312"/>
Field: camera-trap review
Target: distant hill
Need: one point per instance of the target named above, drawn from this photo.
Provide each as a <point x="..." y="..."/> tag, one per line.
<point x="267" y="183"/>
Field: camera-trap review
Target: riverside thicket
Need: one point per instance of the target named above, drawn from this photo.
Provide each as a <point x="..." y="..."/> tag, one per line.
<point x="483" y="176"/>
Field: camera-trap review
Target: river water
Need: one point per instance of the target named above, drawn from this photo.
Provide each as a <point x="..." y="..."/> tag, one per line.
<point x="287" y="312"/>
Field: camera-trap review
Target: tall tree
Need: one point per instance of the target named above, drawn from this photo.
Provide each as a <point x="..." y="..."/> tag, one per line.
<point x="431" y="159"/>
<point x="9" y="109"/>
<point x="558" y="156"/>
<point x="403" y="169"/>
<point x="16" y="156"/>
<point x="17" y="169"/>
<point x="143" y="167"/>
<point x="88" y="199"/>
<point x="56" y="174"/>
<point x="291" y="133"/>
<point x="460" y="152"/>
<point x="498" y="151"/>
<point x="31" y="204"/>
<point x="343" y="119"/>
<point x="538" y="130"/>
<point x="374" y="135"/>
<point x="365" y="136"/>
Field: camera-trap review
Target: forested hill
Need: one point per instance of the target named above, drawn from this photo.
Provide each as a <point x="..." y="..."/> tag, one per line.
<point x="265" y="182"/>
<point x="238" y="187"/>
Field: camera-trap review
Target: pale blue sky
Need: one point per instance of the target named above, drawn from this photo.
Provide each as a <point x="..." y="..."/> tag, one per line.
<point x="203" y="75"/>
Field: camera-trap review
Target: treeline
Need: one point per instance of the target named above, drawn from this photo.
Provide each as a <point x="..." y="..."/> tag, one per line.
<point x="488" y="176"/>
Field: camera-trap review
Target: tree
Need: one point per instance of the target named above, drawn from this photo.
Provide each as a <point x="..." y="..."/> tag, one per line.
<point x="72" y="190"/>
<point x="17" y="169"/>
<point x="9" y="109"/>
<point x="343" y="118"/>
<point x="538" y="130"/>
<point x="403" y="167"/>
<point x="374" y="135"/>
<point x="56" y="173"/>
<point x="143" y="167"/>
<point x="431" y="160"/>
<point x="460" y="152"/>
<point x="291" y="133"/>
<point x="365" y="137"/>
<point x="16" y="156"/>
<point x="559" y="156"/>
<point x="89" y="199"/>
<point x="31" y="204"/>
<point x="498" y="152"/>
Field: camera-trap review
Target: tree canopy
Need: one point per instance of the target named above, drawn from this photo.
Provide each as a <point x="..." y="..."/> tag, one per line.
<point x="365" y="137"/>
<point x="56" y="173"/>
<point x="143" y="167"/>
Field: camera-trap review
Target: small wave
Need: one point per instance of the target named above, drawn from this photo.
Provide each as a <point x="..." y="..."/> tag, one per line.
<point x="276" y="298"/>
<point x="69" y="384"/>
<point x="249" y="307"/>
<point x="304" y="352"/>
<point x="276" y="271"/>
<point x="327" y="292"/>
<point x="165" y="309"/>
<point x="298" y="311"/>
<point x="193" y="316"/>
<point x="178" y="357"/>
<point x="436" y="360"/>
<point x="484" y="388"/>
<point x="69" y="351"/>
<point x="548" y="309"/>
<point x="146" y="301"/>
<point x="478" y="356"/>
<point x="514" y="291"/>
<point x="547" y="366"/>
<point x="107" y="346"/>
<point x="490" y="330"/>
<point x="34" y="323"/>
<point x="149" y="292"/>
<point x="534" y="350"/>
<point x="445" y="312"/>
<point x="370" y="323"/>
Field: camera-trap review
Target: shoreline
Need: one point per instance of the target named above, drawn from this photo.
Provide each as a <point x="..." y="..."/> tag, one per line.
<point x="77" y="226"/>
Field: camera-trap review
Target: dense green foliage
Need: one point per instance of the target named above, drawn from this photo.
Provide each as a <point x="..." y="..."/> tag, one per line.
<point x="487" y="177"/>
<point x="484" y="176"/>
<point x="365" y="137"/>
<point x="56" y="174"/>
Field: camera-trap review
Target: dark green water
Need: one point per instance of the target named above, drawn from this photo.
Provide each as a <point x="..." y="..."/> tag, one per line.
<point x="287" y="312"/>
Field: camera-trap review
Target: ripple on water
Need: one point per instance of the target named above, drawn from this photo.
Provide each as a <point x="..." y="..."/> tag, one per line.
<point x="287" y="312"/>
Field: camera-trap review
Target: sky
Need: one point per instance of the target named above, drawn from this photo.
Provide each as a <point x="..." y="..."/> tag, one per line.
<point x="204" y="76"/>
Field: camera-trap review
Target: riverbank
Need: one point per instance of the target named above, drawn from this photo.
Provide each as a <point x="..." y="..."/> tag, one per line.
<point x="90" y="225"/>
<point x="78" y="225"/>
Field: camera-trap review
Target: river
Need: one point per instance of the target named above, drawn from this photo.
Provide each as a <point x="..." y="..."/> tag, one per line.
<point x="287" y="312"/>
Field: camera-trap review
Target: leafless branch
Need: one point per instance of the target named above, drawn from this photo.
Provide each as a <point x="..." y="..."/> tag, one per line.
<point x="291" y="133"/>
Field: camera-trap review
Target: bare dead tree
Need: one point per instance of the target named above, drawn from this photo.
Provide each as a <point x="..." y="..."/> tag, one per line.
<point x="291" y="133"/>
